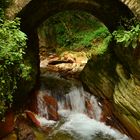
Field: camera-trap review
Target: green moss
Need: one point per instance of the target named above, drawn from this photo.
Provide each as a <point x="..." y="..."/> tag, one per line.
<point x="61" y="136"/>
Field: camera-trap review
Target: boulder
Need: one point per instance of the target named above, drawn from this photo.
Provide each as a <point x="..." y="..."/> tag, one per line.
<point x="127" y="102"/>
<point x="115" y="77"/>
<point x="52" y="107"/>
<point x="24" y="130"/>
<point x="90" y="109"/>
<point x="130" y="59"/>
<point x="32" y="117"/>
<point x="99" y="75"/>
<point x="7" y="125"/>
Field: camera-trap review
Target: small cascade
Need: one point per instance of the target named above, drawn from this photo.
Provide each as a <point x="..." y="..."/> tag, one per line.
<point x="78" y="100"/>
<point x="41" y="105"/>
<point x="75" y="98"/>
<point x="80" y="112"/>
<point x="84" y="128"/>
<point x="96" y="107"/>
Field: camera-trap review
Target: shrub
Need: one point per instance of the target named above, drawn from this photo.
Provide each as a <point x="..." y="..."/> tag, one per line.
<point x="128" y="37"/>
<point x="12" y="67"/>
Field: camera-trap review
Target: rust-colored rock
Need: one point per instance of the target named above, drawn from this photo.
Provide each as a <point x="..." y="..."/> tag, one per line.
<point x="52" y="107"/>
<point x="106" y="111"/>
<point x="32" y="117"/>
<point x="109" y="118"/>
<point x="7" y="126"/>
<point x="90" y="109"/>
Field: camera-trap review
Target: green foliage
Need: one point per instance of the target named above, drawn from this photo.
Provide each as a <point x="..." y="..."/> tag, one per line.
<point x="74" y="30"/>
<point x="101" y="48"/>
<point x="12" y="67"/>
<point x="88" y="37"/>
<point x="128" y="38"/>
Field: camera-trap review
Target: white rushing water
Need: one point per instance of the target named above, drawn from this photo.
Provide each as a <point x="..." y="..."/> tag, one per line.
<point x="41" y="105"/>
<point x="82" y="127"/>
<point x="81" y="114"/>
<point x="76" y="100"/>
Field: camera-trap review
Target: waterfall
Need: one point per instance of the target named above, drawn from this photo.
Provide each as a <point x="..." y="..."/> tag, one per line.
<point x="82" y="127"/>
<point x="79" y="110"/>
<point x="78" y="100"/>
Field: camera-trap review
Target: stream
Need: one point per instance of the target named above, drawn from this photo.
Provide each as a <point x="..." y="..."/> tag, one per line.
<point x="71" y="112"/>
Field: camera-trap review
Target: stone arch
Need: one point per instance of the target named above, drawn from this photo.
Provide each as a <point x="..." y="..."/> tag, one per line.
<point x="35" y="12"/>
<point x="134" y="5"/>
<point x="109" y="12"/>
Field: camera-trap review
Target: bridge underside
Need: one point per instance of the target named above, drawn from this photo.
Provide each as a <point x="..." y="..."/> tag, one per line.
<point x="110" y="12"/>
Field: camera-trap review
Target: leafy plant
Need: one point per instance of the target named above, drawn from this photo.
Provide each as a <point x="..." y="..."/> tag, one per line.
<point x="73" y="30"/>
<point x="127" y="37"/>
<point x="12" y="66"/>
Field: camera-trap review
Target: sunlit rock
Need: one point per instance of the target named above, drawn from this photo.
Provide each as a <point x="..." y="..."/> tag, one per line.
<point x="24" y="129"/>
<point x="127" y="102"/>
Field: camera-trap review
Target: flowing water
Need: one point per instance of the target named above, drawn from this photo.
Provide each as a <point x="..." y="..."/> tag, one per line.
<point x="79" y="115"/>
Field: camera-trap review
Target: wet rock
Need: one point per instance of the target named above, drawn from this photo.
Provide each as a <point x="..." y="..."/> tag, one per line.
<point x="32" y="103"/>
<point x="32" y="117"/>
<point x="56" y="84"/>
<point x="108" y="117"/>
<point x="67" y="64"/>
<point x="90" y="109"/>
<point x="99" y="75"/>
<point x="61" y="136"/>
<point x="106" y="111"/>
<point x="24" y="130"/>
<point x="119" y="84"/>
<point x="7" y="125"/>
<point x="52" y="107"/>
<point x="127" y="102"/>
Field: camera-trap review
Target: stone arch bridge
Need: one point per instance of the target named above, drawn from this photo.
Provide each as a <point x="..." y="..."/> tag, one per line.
<point x="110" y="12"/>
<point x="34" y="12"/>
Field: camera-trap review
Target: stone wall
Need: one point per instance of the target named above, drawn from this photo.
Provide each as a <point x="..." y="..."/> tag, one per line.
<point x="15" y="7"/>
<point x="134" y="5"/>
<point x="115" y="76"/>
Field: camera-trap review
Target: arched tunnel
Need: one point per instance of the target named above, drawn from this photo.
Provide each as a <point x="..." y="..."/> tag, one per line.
<point x="110" y="12"/>
<point x="34" y="13"/>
